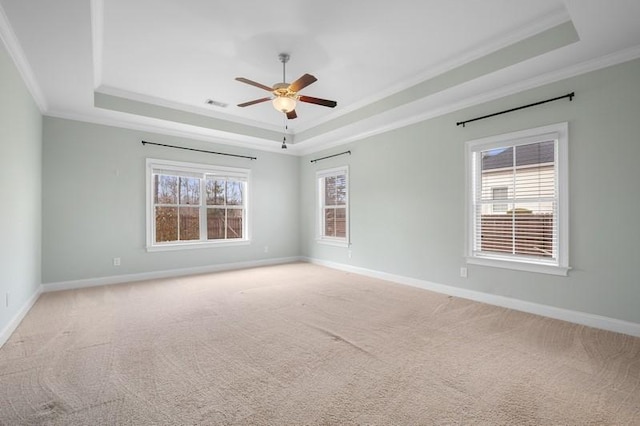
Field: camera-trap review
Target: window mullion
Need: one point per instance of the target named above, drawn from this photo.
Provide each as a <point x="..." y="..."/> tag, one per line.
<point x="203" y="208"/>
<point x="225" y="224"/>
<point x="321" y="195"/>
<point x="513" y="206"/>
<point x="178" y="220"/>
<point x="226" y="221"/>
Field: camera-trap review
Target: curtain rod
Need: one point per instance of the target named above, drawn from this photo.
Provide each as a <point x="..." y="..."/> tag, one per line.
<point x="568" y="95"/>
<point x="199" y="150"/>
<point x="331" y="156"/>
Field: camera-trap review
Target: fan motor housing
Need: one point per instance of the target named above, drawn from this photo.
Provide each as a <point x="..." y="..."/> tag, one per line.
<point x="282" y="89"/>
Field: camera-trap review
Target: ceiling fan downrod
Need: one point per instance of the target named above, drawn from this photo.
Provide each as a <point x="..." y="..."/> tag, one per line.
<point x="284" y="58"/>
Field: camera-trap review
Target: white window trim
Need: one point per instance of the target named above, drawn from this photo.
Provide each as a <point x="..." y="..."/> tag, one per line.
<point x="560" y="132"/>
<point x="180" y="166"/>
<point x="320" y="238"/>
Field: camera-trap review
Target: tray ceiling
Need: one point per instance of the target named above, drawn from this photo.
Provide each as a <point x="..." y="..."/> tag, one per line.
<point x="152" y="64"/>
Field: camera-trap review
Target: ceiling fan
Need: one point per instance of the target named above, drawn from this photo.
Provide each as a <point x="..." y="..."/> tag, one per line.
<point x="286" y="95"/>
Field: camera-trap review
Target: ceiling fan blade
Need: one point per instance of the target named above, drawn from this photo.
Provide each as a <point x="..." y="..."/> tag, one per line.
<point x="318" y="101"/>
<point x="257" y="101"/>
<point x="302" y="82"/>
<point x="292" y="114"/>
<point x="253" y="83"/>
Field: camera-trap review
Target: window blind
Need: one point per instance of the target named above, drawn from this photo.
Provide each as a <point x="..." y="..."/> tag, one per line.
<point x="525" y="177"/>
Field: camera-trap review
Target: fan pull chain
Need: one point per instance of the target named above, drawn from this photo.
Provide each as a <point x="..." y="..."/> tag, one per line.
<point x="284" y="136"/>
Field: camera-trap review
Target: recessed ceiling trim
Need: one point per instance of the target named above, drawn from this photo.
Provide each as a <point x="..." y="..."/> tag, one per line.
<point x="58" y="40"/>
<point x="9" y="39"/>
<point x="138" y="97"/>
<point x="115" y="103"/>
<point x="97" y="33"/>
<point x="552" y="20"/>
<point x="549" y="40"/>
<point x="160" y="127"/>
<point x="345" y="135"/>
<point x="415" y="112"/>
<point x="349" y="134"/>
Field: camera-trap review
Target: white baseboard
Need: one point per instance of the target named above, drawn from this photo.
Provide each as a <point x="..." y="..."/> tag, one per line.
<point x="8" y="330"/>
<point x="118" y="279"/>
<point x="583" y="318"/>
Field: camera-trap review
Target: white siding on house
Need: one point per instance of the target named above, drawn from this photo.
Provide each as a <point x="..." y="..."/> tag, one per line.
<point x="525" y="175"/>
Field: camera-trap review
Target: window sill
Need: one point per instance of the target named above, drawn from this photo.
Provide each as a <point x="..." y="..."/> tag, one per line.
<point x="336" y="242"/>
<point x="198" y="245"/>
<point x="520" y="266"/>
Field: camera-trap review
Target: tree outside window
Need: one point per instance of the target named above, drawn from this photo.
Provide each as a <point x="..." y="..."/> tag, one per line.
<point x="195" y="204"/>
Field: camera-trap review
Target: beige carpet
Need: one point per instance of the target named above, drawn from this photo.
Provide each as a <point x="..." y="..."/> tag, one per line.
<point x="304" y="345"/>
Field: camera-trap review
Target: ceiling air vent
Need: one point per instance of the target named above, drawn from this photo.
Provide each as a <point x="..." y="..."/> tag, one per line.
<point x="216" y="103"/>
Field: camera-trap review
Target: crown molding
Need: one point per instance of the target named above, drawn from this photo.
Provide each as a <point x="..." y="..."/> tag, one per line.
<point x="152" y="100"/>
<point x="416" y="113"/>
<point x="242" y="142"/>
<point x="552" y="20"/>
<point x="341" y="136"/>
<point x="8" y="37"/>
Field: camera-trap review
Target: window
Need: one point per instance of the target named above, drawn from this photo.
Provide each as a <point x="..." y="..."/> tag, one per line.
<point x="517" y="196"/>
<point x="500" y="193"/>
<point x="333" y="202"/>
<point x="195" y="205"/>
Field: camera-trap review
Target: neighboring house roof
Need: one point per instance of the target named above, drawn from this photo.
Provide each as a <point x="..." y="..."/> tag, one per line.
<point x="535" y="153"/>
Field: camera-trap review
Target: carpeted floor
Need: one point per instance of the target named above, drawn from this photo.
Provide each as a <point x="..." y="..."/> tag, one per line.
<point x="300" y="344"/>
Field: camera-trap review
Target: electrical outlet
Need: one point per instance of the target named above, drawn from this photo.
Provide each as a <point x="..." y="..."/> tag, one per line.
<point x="116" y="261"/>
<point x="463" y="272"/>
<point x="349" y="254"/>
<point x="6" y="299"/>
<point x="266" y="249"/>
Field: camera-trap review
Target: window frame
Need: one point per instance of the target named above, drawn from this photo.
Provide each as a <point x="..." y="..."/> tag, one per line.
<point x="558" y="132"/>
<point x="202" y="171"/>
<point x="321" y="175"/>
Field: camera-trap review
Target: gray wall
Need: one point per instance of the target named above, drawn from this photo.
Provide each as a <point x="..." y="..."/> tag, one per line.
<point x="20" y="191"/>
<point x="94" y="202"/>
<point x="408" y="197"/>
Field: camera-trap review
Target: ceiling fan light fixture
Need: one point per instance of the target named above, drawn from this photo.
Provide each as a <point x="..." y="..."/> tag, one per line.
<point x="284" y="95"/>
<point x="284" y="104"/>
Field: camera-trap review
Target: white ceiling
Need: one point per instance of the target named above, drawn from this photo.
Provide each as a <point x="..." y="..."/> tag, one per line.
<point x="177" y="54"/>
